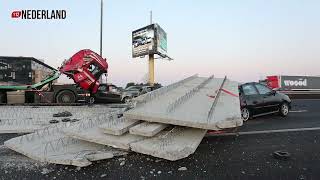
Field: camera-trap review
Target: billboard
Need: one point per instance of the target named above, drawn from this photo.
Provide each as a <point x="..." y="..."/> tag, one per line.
<point x="151" y="39"/>
<point x="161" y="40"/>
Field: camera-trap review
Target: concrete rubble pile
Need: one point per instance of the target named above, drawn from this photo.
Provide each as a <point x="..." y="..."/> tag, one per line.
<point x="168" y="123"/>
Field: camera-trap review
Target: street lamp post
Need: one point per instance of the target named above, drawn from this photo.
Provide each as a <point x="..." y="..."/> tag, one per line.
<point x="101" y="22"/>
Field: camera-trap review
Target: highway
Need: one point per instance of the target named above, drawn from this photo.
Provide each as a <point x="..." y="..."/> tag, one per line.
<point x="236" y="156"/>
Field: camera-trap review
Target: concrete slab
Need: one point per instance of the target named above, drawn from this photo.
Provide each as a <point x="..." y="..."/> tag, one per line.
<point x="147" y="129"/>
<point x="118" y="126"/>
<point x="173" y="144"/>
<point x="28" y="119"/>
<point x="89" y="130"/>
<point x="96" y="135"/>
<point x="50" y="145"/>
<point x="190" y="104"/>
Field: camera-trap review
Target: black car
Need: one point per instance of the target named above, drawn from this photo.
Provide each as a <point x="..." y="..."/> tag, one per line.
<point x="107" y="93"/>
<point x="257" y="99"/>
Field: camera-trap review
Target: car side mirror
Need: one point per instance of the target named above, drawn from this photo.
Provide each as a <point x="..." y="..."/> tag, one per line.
<point x="273" y="92"/>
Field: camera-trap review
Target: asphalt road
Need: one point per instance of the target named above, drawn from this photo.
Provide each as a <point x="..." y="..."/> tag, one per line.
<point x="222" y="157"/>
<point x="304" y="114"/>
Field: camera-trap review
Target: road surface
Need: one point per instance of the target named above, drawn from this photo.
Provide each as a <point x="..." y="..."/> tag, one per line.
<point x="218" y="157"/>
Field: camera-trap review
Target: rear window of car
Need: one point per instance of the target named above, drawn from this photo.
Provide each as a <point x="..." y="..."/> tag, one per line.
<point x="249" y="89"/>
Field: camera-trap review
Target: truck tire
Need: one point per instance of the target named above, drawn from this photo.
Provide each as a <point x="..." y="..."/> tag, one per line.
<point x="66" y="96"/>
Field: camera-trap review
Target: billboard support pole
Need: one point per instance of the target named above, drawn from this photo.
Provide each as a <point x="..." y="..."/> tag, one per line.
<point x="151" y="62"/>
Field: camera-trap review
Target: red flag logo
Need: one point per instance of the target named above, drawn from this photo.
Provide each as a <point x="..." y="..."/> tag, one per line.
<point x="16" y="14"/>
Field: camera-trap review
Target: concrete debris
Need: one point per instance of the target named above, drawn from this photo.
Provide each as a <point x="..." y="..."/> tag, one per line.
<point x="45" y="171"/>
<point x="206" y="103"/>
<point x="29" y="119"/>
<point x="53" y="121"/>
<point x="147" y="129"/>
<point x="89" y="130"/>
<point x="99" y="156"/>
<point x="171" y="144"/>
<point x="52" y="146"/>
<point x="176" y="118"/>
<point x="118" y="126"/>
<point x="182" y="169"/>
<point x="122" y="163"/>
<point x="66" y="120"/>
<point x="63" y="114"/>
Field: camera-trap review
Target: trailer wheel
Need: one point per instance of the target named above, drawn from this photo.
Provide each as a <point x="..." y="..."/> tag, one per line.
<point x="66" y="96"/>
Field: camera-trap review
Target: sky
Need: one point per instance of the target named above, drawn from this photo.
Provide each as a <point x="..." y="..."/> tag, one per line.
<point x="245" y="40"/>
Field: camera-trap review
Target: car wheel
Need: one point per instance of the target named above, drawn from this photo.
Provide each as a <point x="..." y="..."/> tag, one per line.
<point x="284" y="109"/>
<point x="91" y="100"/>
<point x="245" y="114"/>
<point x="66" y="97"/>
<point x="126" y="100"/>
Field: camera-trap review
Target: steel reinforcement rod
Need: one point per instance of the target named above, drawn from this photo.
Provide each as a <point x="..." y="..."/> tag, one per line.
<point x="182" y="99"/>
<point x="156" y="93"/>
<point x="215" y="101"/>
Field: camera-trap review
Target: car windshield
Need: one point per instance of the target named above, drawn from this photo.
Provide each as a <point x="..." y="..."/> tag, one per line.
<point x="102" y="88"/>
<point x="249" y="89"/>
<point x="132" y="88"/>
<point x="263" y="89"/>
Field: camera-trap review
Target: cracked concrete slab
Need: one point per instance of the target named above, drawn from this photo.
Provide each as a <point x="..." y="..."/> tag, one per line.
<point x="96" y="135"/>
<point x="50" y="145"/>
<point x="89" y="130"/>
<point x="173" y="144"/>
<point x="118" y="126"/>
<point x="193" y="103"/>
<point x="147" y="129"/>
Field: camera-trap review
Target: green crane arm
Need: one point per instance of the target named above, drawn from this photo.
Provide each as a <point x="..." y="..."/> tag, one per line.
<point x="55" y="75"/>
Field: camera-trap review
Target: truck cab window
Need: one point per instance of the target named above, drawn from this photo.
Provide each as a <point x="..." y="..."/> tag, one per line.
<point x="95" y="70"/>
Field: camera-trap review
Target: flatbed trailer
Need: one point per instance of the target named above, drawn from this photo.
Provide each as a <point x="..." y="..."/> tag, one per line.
<point x="60" y="94"/>
<point x="85" y="68"/>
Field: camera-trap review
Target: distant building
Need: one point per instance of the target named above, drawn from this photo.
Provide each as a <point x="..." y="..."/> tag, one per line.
<point x="22" y="70"/>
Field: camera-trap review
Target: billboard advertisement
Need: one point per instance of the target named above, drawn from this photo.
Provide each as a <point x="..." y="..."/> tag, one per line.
<point x="151" y="39"/>
<point x="300" y="82"/>
<point x="161" y="40"/>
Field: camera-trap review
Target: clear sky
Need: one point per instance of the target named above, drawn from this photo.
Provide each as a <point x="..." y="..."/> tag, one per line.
<point x="244" y="40"/>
